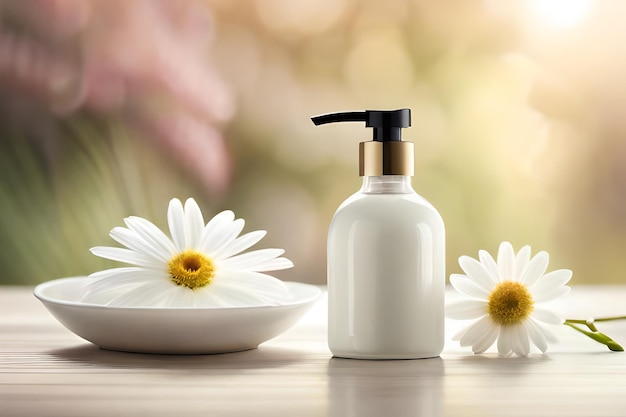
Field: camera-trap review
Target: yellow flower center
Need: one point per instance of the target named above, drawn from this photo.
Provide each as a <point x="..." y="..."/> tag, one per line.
<point x="191" y="269"/>
<point x="510" y="303"/>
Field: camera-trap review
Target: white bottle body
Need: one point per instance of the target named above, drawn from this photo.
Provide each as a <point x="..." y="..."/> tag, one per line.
<point x="386" y="274"/>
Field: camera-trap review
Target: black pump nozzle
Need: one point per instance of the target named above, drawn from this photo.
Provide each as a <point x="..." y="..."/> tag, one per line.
<point x="387" y="124"/>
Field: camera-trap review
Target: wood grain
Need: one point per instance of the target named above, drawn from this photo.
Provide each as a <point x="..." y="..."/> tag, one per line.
<point x="47" y="371"/>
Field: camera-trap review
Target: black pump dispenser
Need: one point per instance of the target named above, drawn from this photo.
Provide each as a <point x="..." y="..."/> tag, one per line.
<point x="387" y="153"/>
<point x="387" y="124"/>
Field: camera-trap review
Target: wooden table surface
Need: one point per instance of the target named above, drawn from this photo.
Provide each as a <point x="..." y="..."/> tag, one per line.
<point x="47" y="371"/>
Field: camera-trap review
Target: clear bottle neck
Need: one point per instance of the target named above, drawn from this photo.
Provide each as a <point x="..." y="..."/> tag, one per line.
<point x="387" y="184"/>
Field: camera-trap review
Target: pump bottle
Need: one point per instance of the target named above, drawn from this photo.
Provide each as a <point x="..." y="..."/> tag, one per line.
<point x="386" y="253"/>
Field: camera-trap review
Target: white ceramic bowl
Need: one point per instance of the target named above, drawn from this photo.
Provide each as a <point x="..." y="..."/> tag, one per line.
<point x="172" y="330"/>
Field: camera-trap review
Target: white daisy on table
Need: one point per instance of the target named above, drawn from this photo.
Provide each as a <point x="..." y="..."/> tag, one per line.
<point x="200" y="266"/>
<point x="506" y="298"/>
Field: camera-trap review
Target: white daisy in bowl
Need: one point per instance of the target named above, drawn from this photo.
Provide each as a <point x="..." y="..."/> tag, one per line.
<point x="201" y="265"/>
<point x="505" y="298"/>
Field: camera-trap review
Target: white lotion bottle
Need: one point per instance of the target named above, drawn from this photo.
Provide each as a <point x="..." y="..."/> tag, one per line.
<point x="386" y="253"/>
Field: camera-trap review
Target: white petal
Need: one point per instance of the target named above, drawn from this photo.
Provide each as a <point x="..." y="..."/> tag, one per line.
<point x="149" y="294"/>
<point x="117" y="276"/>
<point x="459" y="335"/>
<point x="536" y="335"/>
<point x="220" y="220"/>
<point x="106" y="290"/>
<point x="552" y="280"/>
<point x="156" y="294"/>
<point x="255" y="282"/>
<point x="134" y="242"/>
<point x="250" y="260"/>
<point x="194" y="223"/>
<point x="234" y="297"/>
<point x="550" y="337"/>
<point x="107" y="273"/>
<point x="546" y="316"/>
<point x="275" y="264"/>
<point x="109" y="284"/>
<point x="250" y="288"/>
<point x="214" y="229"/>
<point x="485" y="341"/>
<point x="207" y="297"/>
<point x="123" y="255"/>
<point x="466" y="286"/>
<point x="181" y="296"/>
<point x="466" y="309"/>
<point x="549" y="295"/>
<point x="490" y="264"/>
<point x="521" y="262"/>
<point x="476" y="332"/>
<point x="506" y="261"/>
<point x="240" y="244"/>
<point x="151" y="234"/>
<point x="104" y="296"/>
<point x="477" y="272"/>
<point x="535" y="269"/>
<point x="520" y="343"/>
<point x="505" y="340"/>
<point x="223" y="237"/>
<point x="176" y="221"/>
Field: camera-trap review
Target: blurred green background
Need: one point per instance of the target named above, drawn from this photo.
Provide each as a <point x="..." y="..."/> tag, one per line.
<point x="111" y="108"/>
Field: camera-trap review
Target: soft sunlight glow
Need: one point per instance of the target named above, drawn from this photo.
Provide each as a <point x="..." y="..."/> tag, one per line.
<point x="561" y="13"/>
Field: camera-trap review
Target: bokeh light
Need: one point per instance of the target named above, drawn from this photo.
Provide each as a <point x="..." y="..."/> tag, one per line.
<point x="561" y="14"/>
<point x="112" y="108"/>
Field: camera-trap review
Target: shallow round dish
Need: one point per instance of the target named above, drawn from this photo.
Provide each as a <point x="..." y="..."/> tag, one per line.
<point x="172" y="330"/>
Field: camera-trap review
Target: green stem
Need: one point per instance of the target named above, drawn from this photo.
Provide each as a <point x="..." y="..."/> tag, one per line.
<point x="597" y="320"/>
<point x="594" y="333"/>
